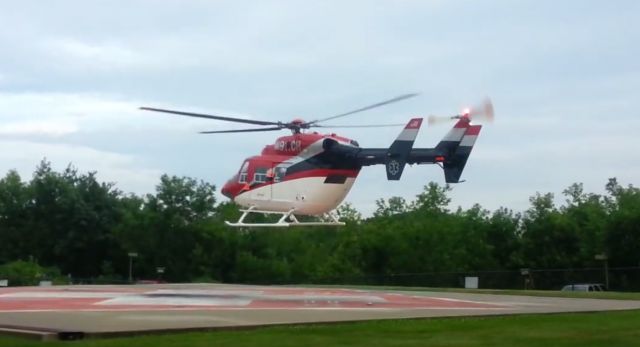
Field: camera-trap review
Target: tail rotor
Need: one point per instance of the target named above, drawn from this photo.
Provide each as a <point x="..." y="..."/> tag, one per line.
<point x="482" y="112"/>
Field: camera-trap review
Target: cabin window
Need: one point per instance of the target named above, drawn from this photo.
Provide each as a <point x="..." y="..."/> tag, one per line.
<point x="280" y="173"/>
<point x="242" y="177"/>
<point x="260" y="176"/>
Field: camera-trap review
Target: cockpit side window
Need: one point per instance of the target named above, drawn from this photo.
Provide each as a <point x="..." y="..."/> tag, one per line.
<point x="242" y="177"/>
<point x="260" y="176"/>
<point x="281" y="171"/>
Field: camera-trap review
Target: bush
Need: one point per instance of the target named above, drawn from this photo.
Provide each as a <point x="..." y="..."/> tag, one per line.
<point x="24" y="273"/>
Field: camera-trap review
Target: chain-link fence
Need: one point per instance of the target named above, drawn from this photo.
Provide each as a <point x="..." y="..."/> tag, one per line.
<point x="618" y="279"/>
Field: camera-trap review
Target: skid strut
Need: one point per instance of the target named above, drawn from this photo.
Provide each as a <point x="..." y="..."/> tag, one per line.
<point x="287" y="219"/>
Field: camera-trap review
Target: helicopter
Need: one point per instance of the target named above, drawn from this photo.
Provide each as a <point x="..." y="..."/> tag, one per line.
<point x="308" y="173"/>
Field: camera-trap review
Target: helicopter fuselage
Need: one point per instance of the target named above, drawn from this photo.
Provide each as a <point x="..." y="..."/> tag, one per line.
<point x="297" y="172"/>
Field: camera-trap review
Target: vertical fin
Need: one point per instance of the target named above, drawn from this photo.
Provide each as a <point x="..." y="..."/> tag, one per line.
<point x="401" y="148"/>
<point x="451" y="140"/>
<point x="455" y="163"/>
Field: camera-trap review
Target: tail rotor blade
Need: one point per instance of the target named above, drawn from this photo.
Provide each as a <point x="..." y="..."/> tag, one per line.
<point x="436" y="120"/>
<point x="483" y="112"/>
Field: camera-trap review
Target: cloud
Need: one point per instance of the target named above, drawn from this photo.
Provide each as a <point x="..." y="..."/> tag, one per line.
<point x="124" y="170"/>
<point x="53" y="128"/>
<point x="232" y="37"/>
<point x="59" y="113"/>
<point x="55" y="105"/>
<point x="111" y="135"/>
<point x="76" y="54"/>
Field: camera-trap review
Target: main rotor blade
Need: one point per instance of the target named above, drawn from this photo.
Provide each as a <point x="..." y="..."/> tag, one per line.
<point x="382" y="103"/>
<point x="359" y="126"/>
<point x="240" y="130"/>
<point x="210" y="116"/>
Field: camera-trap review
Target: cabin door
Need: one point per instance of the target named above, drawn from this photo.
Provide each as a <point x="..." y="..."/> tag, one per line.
<point x="282" y="191"/>
<point x="261" y="183"/>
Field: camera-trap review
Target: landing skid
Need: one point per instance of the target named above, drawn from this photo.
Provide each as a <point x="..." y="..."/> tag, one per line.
<point x="288" y="219"/>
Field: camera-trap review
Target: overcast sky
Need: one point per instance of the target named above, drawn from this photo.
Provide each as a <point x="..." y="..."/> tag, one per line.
<point x="564" y="77"/>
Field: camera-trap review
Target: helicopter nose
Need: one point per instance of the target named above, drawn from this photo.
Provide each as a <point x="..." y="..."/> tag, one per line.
<point x="226" y="191"/>
<point x="230" y="188"/>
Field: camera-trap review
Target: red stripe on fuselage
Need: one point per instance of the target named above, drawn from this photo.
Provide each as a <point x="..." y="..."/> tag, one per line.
<point x="307" y="174"/>
<point x="321" y="173"/>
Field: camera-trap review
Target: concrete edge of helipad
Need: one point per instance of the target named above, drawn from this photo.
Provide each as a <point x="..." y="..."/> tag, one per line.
<point x="43" y="334"/>
<point x="31" y="333"/>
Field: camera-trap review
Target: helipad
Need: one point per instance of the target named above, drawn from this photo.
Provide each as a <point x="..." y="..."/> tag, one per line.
<point x="112" y="310"/>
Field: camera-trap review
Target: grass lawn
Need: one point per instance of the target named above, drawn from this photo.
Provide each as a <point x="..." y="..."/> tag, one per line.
<point x="586" y="329"/>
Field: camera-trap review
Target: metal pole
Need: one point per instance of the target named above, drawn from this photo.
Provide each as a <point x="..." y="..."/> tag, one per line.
<point x="131" y="256"/>
<point x="606" y="273"/>
<point x="605" y="259"/>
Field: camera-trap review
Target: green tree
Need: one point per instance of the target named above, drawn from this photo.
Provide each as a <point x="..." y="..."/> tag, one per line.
<point x="433" y="198"/>
<point x="588" y="213"/>
<point x="14" y="199"/>
<point x="503" y="236"/>
<point x="623" y="227"/>
<point x="69" y="219"/>
<point x="165" y="228"/>
<point x="550" y="239"/>
<point x="347" y="213"/>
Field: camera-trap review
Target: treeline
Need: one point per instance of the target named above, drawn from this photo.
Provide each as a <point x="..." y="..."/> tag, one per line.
<point x="76" y="226"/>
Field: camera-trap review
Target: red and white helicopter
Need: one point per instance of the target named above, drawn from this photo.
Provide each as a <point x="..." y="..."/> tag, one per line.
<point x="310" y="174"/>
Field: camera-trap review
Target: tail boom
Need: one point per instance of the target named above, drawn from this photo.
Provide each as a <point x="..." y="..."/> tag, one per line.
<point x="451" y="153"/>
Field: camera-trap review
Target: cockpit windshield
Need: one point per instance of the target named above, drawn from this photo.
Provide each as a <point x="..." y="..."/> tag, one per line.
<point x="242" y="177"/>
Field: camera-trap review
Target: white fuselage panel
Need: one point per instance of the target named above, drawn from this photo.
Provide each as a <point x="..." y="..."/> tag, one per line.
<point x="308" y="196"/>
